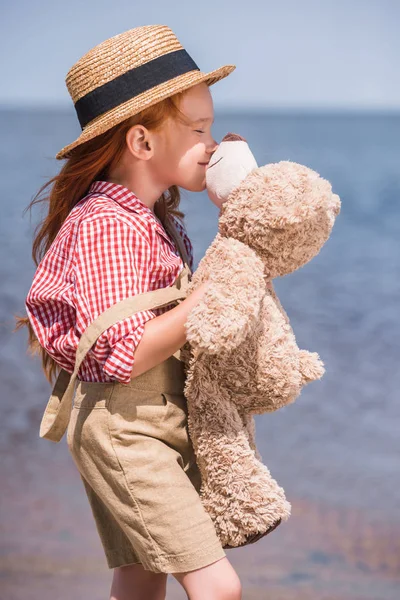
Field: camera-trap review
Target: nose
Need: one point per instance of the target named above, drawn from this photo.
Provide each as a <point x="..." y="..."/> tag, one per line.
<point x="214" y="147"/>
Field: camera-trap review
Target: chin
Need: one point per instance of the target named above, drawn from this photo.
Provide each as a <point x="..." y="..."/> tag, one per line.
<point x="195" y="187"/>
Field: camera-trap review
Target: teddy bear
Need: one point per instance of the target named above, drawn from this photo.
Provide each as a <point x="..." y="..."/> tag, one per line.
<point x="241" y="357"/>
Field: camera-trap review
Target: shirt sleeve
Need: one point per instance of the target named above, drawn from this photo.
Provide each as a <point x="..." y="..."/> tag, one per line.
<point x="112" y="262"/>
<point x="50" y="307"/>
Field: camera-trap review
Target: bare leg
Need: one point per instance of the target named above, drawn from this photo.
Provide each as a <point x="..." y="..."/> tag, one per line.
<point x="218" y="581"/>
<point x="133" y="582"/>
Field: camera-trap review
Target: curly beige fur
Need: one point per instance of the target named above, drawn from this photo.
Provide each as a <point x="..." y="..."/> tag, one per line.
<point x="241" y="357"/>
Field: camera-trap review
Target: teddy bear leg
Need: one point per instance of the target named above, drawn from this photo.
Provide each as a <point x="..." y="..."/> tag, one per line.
<point x="237" y="490"/>
<point x="250" y="429"/>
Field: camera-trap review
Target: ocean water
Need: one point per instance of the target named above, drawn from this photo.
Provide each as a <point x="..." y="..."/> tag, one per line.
<point x="336" y="450"/>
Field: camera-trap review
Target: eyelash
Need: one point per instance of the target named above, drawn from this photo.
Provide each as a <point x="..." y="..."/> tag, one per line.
<point x="199" y="131"/>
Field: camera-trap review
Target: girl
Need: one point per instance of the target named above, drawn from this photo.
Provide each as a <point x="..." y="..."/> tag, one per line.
<point x="113" y="231"/>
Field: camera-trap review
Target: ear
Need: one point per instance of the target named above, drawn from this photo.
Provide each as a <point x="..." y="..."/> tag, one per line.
<point x="139" y="142"/>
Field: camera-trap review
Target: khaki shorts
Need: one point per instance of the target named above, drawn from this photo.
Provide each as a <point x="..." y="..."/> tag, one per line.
<point x="131" y="446"/>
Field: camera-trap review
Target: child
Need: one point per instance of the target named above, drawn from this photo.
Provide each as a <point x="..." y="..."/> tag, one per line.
<point x="113" y="232"/>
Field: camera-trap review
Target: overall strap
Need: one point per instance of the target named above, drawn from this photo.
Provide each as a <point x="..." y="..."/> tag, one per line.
<point x="58" y="410"/>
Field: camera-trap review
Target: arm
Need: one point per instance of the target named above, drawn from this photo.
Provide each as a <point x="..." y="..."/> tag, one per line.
<point x="107" y="261"/>
<point x="165" y="334"/>
<point x="113" y="262"/>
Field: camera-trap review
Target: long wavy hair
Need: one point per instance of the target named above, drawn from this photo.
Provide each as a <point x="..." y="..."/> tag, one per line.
<point x="89" y="162"/>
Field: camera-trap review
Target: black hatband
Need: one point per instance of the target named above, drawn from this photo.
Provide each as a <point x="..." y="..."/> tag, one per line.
<point x="132" y="83"/>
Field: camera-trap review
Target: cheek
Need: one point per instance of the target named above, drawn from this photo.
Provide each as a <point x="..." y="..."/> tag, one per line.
<point x="185" y="163"/>
<point x="190" y="158"/>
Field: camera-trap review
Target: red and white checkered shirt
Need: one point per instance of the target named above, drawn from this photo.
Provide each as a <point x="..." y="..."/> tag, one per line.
<point x="111" y="246"/>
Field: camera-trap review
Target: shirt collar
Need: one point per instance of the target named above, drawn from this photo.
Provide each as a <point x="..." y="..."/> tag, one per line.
<point x="128" y="200"/>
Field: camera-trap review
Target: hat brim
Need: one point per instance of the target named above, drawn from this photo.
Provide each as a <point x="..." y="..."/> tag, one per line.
<point x="135" y="105"/>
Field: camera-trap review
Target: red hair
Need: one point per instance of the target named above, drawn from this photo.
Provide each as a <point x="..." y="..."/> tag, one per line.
<point x="88" y="162"/>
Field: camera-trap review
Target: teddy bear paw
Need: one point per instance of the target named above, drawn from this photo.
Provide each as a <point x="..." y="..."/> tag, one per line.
<point x="311" y="366"/>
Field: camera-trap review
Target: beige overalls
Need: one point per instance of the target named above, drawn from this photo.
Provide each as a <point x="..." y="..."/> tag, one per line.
<point x="131" y="445"/>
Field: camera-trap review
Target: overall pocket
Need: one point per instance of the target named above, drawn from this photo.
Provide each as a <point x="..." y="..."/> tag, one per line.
<point x="90" y="399"/>
<point x="132" y="411"/>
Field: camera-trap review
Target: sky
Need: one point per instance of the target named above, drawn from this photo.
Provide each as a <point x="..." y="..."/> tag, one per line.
<point x="304" y="54"/>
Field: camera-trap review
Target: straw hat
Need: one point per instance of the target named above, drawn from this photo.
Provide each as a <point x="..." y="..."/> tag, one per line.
<point x="127" y="73"/>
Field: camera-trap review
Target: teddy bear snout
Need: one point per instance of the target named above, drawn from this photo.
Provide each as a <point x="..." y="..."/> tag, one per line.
<point x="214" y="163"/>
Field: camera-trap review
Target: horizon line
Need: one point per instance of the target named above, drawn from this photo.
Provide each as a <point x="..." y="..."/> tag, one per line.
<point x="229" y="108"/>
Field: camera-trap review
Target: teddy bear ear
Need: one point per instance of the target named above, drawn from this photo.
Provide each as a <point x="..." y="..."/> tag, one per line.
<point x="233" y="137"/>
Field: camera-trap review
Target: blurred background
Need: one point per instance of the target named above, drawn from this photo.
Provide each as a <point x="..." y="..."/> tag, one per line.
<point x="317" y="82"/>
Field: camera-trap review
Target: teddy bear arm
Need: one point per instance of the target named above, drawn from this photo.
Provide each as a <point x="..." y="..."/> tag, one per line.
<point x="278" y="378"/>
<point x="279" y="306"/>
<point x="222" y="319"/>
<point x="229" y="308"/>
<point x="282" y="375"/>
<point x="311" y="366"/>
<point x="284" y="369"/>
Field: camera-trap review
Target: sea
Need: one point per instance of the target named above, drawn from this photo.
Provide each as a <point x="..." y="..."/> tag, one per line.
<point x="335" y="451"/>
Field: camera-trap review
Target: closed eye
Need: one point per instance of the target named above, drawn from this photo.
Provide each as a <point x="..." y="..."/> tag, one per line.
<point x="199" y="131"/>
